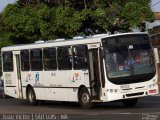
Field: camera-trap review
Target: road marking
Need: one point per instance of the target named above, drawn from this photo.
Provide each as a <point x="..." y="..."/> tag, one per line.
<point x="123" y="113"/>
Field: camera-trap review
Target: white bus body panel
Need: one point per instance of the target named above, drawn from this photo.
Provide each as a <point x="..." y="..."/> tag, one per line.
<point x="62" y="85"/>
<point x="75" y="79"/>
<point x="11" y="81"/>
<point x="113" y="92"/>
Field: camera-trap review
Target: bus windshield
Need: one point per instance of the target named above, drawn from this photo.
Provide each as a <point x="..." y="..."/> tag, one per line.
<point x="128" y="58"/>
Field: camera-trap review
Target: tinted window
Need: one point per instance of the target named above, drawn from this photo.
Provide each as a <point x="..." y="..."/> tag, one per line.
<point x="36" y="59"/>
<point x="64" y="58"/>
<point x="130" y="61"/>
<point x="125" y="40"/>
<point x="80" y="57"/>
<point x="49" y="59"/>
<point x="25" y="65"/>
<point x="7" y="61"/>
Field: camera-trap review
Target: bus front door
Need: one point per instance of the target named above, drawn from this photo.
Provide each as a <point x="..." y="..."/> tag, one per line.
<point x="94" y="73"/>
<point x="18" y="74"/>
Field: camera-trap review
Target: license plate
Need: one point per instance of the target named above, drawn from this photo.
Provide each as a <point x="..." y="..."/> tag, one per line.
<point x="124" y="86"/>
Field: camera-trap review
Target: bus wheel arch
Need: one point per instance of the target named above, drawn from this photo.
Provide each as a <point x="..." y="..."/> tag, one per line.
<point x="31" y="96"/>
<point x="27" y="88"/>
<point x="79" y="89"/>
<point x="84" y="97"/>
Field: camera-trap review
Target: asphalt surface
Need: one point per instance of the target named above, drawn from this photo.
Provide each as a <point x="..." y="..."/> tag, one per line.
<point x="148" y="108"/>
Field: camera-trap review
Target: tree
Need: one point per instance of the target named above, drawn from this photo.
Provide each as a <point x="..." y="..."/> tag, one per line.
<point x="21" y="23"/>
<point x="30" y="20"/>
<point x="116" y="15"/>
<point x="4" y="41"/>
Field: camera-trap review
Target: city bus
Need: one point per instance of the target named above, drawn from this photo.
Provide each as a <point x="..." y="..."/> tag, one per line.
<point x="99" y="68"/>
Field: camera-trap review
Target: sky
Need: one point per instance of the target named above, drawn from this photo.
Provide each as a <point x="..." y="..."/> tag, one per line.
<point x="3" y="3"/>
<point x="155" y="7"/>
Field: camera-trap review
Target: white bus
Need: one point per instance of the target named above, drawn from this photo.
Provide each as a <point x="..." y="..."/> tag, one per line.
<point x="100" y="68"/>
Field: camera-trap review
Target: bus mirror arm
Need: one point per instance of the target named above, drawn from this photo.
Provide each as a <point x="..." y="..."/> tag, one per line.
<point x="156" y="55"/>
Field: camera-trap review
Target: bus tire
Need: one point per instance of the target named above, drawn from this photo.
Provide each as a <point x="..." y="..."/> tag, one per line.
<point x="130" y="102"/>
<point x="32" y="97"/>
<point x="85" y="99"/>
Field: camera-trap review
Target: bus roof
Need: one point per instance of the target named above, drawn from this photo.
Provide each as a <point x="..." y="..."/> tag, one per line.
<point x="54" y="43"/>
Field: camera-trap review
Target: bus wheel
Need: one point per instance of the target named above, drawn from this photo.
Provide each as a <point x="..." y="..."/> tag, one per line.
<point x="85" y="99"/>
<point x="32" y="97"/>
<point x="130" y="102"/>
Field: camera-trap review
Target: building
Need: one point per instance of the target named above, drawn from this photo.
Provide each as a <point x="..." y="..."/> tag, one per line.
<point x="154" y="30"/>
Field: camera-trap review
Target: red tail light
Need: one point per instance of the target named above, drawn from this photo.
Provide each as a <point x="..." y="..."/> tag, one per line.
<point x="152" y="91"/>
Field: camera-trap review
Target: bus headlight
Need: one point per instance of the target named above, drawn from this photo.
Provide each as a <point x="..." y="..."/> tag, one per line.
<point x="115" y="90"/>
<point x="112" y="90"/>
<point x="152" y="85"/>
<point x="154" y="80"/>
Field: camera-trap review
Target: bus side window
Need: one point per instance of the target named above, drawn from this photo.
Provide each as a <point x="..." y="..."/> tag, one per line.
<point x="64" y="58"/>
<point x="25" y="64"/>
<point x="36" y="59"/>
<point x="7" y="61"/>
<point x="49" y="59"/>
<point x="80" y="57"/>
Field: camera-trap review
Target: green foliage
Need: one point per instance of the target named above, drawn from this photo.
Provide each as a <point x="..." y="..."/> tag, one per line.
<point x="21" y="23"/>
<point x="4" y="39"/>
<point x="30" y="20"/>
<point x="125" y="15"/>
<point x="67" y="21"/>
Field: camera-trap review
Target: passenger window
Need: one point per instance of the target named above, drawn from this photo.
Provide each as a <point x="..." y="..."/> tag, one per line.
<point x="25" y="65"/>
<point x="36" y="59"/>
<point x="64" y="58"/>
<point x="7" y="61"/>
<point x="49" y="59"/>
<point x="80" y="57"/>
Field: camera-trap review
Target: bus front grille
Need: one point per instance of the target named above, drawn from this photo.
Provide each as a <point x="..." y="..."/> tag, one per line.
<point x="134" y="94"/>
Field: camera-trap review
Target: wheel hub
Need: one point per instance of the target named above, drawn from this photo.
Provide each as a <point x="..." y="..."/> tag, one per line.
<point x="85" y="98"/>
<point x="30" y="97"/>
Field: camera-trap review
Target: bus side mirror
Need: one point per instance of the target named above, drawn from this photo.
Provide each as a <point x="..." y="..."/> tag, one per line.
<point x="156" y="55"/>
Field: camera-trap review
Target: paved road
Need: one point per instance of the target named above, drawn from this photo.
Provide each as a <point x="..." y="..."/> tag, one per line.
<point x="148" y="108"/>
